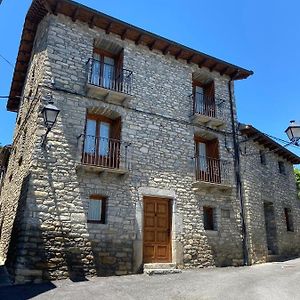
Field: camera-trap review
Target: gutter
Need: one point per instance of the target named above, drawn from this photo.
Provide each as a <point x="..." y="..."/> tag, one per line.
<point x="237" y="170"/>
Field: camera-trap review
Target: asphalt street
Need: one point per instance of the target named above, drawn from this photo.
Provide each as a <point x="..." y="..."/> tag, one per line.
<point x="279" y="280"/>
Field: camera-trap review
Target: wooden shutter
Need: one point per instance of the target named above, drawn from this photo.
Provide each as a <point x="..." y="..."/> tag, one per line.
<point x="213" y="148"/>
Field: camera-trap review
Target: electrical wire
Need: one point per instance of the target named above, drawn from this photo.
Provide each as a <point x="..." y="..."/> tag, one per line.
<point x="6" y="59"/>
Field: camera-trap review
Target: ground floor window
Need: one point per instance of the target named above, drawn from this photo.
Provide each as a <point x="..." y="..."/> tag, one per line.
<point x="209" y="218"/>
<point x="97" y="209"/>
<point x="288" y="219"/>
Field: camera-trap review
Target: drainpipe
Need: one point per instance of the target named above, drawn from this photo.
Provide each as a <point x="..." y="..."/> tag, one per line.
<point x="237" y="170"/>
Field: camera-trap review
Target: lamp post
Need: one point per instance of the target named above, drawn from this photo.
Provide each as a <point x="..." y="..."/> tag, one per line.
<point x="293" y="133"/>
<point x="50" y="113"/>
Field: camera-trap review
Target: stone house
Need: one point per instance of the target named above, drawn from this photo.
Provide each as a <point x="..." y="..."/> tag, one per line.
<point x="143" y="164"/>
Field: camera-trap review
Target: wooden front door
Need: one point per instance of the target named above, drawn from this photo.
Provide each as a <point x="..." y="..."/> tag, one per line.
<point x="157" y="230"/>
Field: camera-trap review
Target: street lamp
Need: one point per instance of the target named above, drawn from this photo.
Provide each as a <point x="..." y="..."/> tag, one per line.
<point x="293" y="132"/>
<point x="50" y="113"/>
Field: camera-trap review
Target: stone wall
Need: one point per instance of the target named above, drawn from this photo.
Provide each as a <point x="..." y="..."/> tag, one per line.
<point x="264" y="186"/>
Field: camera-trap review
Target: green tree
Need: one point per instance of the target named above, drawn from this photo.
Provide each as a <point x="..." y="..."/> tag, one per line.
<point x="297" y="174"/>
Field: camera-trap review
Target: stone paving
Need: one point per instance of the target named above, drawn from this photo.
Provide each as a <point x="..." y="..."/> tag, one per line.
<point x="267" y="281"/>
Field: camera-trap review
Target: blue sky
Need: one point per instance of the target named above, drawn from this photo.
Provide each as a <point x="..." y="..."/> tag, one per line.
<point x="259" y="35"/>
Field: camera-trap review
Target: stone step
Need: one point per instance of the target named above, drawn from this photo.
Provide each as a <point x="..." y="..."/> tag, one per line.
<point x="160" y="269"/>
<point x="160" y="266"/>
<point x="151" y="272"/>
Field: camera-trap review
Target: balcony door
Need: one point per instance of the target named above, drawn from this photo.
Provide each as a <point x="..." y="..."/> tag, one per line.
<point x="207" y="160"/>
<point x="204" y="100"/>
<point x="103" y="69"/>
<point x="102" y="141"/>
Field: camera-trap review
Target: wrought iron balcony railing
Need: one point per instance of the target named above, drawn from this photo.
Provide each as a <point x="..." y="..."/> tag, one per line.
<point x="208" y="106"/>
<point x="105" y="152"/>
<point x="109" y="77"/>
<point x="212" y="170"/>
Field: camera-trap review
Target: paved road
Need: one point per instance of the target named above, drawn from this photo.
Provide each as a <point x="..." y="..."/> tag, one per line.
<point x="267" y="281"/>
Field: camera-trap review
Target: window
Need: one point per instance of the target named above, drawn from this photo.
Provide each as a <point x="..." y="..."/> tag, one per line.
<point x="262" y="155"/>
<point x="288" y="219"/>
<point x="204" y="98"/>
<point x="281" y="167"/>
<point x="208" y="218"/>
<point x="207" y="160"/>
<point x="106" y="68"/>
<point x="102" y="141"/>
<point x="97" y="209"/>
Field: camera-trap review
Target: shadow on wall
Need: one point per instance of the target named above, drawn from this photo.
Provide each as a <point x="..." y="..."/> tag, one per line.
<point x="44" y="247"/>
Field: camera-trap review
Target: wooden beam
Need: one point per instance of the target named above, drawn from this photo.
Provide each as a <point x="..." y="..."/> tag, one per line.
<point x="92" y="22"/>
<point x="178" y="54"/>
<point x="189" y="60"/>
<point x="47" y="6"/>
<point x="222" y="72"/>
<point x="124" y="34"/>
<point x="108" y="28"/>
<point x="57" y="8"/>
<point x="166" y="50"/>
<point x="213" y="67"/>
<point x="151" y="46"/>
<point x="139" y="39"/>
<point x="201" y="63"/>
<point x="233" y="75"/>
<point x="75" y="14"/>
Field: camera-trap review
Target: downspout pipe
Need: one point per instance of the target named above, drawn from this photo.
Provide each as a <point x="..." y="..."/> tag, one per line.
<point x="237" y="170"/>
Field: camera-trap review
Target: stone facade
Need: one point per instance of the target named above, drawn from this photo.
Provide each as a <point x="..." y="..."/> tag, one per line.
<point x="267" y="193"/>
<point x="46" y="195"/>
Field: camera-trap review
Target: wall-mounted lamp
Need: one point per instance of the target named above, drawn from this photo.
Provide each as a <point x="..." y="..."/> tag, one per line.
<point x="50" y="113"/>
<point x="293" y="133"/>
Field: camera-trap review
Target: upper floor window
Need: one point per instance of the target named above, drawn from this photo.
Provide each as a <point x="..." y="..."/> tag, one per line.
<point x="207" y="160"/>
<point x="281" y="167"/>
<point x="262" y="156"/>
<point x="204" y="98"/>
<point x="102" y="141"/>
<point x="106" y="69"/>
<point x="96" y="209"/>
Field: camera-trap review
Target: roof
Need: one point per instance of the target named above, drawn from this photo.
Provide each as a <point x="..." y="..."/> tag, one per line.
<point x="263" y="139"/>
<point x="76" y="11"/>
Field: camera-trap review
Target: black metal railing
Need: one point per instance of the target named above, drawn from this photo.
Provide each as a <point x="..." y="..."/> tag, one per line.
<point x="208" y="105"/>
<point x="105" y="152"/>
<point x="109" y="77"/>
<point x="212" y="170"/>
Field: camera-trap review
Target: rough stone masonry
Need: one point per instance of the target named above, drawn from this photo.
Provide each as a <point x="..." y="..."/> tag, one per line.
<point x="45" y="196"/>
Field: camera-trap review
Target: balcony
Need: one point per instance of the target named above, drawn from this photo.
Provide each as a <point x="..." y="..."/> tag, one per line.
<point x="107" y="83"/>
<point x="101" y="154"/>
<point x="208" y="111"/>
<point x="212" y="173"/>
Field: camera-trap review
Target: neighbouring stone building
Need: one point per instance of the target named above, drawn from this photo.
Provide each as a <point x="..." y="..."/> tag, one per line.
<point x="141" y="165"/>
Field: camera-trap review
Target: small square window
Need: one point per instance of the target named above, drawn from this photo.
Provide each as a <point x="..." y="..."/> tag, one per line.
<point x="281" y="167"/>
<point x="97" y="209"/>
<point x="288" y="219"/>
<point x="209" y="218"/>
<point x="262" y="155"/>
